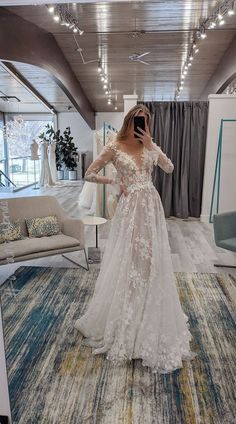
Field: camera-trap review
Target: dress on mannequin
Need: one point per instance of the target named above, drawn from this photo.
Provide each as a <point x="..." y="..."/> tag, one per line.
<point x="52" y="160"/>
<point x="34" y="150"/>
<point x="135" y="311"/>
<point x="45" y="176"/>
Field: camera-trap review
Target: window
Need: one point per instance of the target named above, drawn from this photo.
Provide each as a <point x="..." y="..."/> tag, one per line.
<point x="21" y="130"/>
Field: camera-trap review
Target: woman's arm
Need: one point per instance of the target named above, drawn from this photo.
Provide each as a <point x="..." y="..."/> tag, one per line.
<point x="160" y="159"/>
<point x="158" y="156"/>
<point x="102" y="160"/>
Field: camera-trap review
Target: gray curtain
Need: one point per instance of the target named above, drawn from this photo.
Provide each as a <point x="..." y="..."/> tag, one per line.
<point x="179" y="128"/>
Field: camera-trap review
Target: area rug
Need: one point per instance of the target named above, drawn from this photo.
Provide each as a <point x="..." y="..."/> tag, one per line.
<point x="55" y="379"/>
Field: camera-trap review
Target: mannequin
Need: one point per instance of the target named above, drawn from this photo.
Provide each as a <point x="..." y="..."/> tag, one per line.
<point x="45" y="177"/>
<point x="34" y="150"/>
<point x="34" y="156"/>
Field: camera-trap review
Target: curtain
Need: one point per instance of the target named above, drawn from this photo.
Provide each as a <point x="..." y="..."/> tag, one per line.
<point x="179" y="128"/>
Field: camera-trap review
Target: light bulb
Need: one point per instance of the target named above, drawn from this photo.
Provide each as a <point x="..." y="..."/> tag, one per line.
<point x="115" y="107"/>
<point x="231" y="11"/>
<point x="56" y="18"/>
<point x="197" y="50"/>
<point x="219" y="16"/>
<point x="203" y="35"/>
<point x="51" y="9"/>
<point x="222" y="22"/>
<point x="75" y="30"/>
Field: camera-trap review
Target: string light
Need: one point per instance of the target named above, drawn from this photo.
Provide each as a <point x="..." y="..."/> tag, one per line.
<point x="62" y="15"/>
<point x="216" y="18"/>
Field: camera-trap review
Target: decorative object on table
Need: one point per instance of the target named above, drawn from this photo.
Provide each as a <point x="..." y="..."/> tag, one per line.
<point x="45" y="175"/>
<point x="52" y="159"/>
<point x="94" y="253"/>
<point x="35" y="157"/>
<point x="49" y="353"/>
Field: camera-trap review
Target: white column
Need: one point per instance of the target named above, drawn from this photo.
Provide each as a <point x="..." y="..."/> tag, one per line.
<point x="130" y="100"/>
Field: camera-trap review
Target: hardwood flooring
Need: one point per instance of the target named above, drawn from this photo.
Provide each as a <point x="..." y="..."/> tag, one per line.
<point x="192" y="242"/>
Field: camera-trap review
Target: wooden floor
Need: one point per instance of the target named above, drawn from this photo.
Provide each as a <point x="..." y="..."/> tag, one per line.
<point x="191" y="241"/>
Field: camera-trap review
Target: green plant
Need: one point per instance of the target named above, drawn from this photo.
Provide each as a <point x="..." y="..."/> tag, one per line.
<point x="69" y="150"/>
<point x="66" y="151"/>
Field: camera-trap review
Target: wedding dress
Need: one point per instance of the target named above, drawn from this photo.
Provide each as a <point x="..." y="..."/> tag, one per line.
<point x="135" y="311"/>
<point x="52" y="160"/>
<point x="45" y="175"/>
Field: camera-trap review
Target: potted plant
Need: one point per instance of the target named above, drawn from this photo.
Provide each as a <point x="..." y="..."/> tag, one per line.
<point x="69" y="152"/>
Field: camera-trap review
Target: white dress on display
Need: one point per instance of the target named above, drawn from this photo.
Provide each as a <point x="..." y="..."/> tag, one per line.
<point x="135" y="311"/>
<point x="52" y="160"/>
<point x="45" y="175"/>
<point x="34" y="150"/>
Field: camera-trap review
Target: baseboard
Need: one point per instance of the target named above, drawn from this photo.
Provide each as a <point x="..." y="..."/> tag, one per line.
<point x="204" y="218"/>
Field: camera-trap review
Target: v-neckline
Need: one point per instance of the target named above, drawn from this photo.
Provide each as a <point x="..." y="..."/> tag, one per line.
<point x="132" y="158"/>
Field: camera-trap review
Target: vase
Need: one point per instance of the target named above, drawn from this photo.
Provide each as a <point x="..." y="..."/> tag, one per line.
<point x="60" y="174"/>
<point x="72" y="175"/>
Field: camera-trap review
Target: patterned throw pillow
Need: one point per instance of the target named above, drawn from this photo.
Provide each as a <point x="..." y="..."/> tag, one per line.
<point x="10" y="231"/>
<point x="41" y="227"/>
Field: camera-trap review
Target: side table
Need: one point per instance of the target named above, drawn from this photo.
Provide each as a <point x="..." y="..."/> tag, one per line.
<point x="94" y="253"/>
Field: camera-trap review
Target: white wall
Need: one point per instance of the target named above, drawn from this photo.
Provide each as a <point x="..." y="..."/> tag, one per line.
<point x="82" y="133"/>
<point x="115" y="119"/>
<point x="221" y="106"/>
<point x="4" y="395"/>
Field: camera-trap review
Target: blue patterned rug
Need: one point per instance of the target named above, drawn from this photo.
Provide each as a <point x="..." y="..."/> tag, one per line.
<point x="54" y="379"/>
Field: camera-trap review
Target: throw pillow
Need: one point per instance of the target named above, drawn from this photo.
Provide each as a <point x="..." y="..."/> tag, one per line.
<point x="10" y="231"/>
<point x="42" y="227"/>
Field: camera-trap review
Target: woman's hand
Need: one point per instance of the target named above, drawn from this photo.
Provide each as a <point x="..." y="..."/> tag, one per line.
<point x="145" y="137"/>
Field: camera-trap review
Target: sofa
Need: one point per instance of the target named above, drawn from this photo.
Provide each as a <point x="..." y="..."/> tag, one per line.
<point x="71" y="237"/>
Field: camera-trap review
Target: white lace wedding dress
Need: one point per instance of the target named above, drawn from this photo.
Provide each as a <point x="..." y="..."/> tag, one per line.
<point x="135" y="310"/>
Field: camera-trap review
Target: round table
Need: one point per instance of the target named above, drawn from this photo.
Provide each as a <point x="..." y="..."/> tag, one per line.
<point x="94" y="220"/>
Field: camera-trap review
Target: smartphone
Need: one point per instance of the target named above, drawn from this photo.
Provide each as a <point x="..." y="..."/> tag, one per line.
<point x="139" y="121"/>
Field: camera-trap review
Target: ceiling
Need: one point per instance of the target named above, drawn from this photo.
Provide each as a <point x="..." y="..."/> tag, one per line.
<point x="114" y="31"/>
<point x="41" y="80"/>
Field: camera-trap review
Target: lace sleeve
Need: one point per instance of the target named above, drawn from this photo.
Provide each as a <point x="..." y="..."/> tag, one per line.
<point x="107" y="155"/>
<point x="160" y="159"/>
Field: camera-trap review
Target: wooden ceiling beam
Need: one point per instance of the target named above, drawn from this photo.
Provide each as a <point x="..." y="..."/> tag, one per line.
<point x="23" y="41"/>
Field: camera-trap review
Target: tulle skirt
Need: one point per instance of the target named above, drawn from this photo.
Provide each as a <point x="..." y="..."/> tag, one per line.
<point x="135" y="311"/>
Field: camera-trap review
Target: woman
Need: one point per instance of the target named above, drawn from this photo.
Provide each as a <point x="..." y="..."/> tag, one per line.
<point x="135" y="310"/>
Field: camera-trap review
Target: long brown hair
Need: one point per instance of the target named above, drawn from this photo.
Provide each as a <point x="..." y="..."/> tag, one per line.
<point x="128" y="119"/>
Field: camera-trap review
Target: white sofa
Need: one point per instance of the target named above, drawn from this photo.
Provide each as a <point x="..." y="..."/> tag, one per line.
<point x="70" y="239"/>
